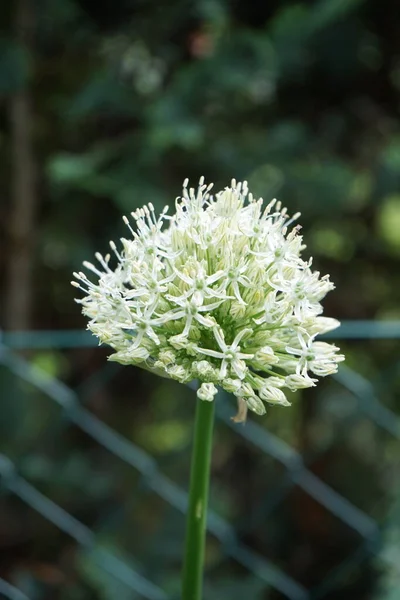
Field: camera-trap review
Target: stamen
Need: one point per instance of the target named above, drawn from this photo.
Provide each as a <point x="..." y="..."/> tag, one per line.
<point x="103" y="261"/>
<point x="114" y="249"/>
<point x="92" y="268"/>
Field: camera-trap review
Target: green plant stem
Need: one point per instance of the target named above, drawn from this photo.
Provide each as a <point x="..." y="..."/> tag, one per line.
<point x="196" y="517"/>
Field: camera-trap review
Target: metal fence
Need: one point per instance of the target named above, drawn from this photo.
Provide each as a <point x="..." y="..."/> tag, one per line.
<point x="297" y="471"/>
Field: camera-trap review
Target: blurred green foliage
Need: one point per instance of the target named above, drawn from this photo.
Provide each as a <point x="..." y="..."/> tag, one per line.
<point x="300" y="98"/>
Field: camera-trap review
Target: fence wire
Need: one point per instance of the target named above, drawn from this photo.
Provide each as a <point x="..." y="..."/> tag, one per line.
<point x="297" y="469"/>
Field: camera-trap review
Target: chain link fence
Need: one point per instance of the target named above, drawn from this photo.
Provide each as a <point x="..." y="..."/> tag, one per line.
<point x="296" y="472"/>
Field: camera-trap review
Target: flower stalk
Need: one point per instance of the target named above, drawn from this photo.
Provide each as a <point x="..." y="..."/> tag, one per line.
<point x="196" y="518"/>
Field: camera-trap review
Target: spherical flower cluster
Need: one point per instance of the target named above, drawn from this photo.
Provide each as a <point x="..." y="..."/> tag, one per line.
<point x="218" y="292"/>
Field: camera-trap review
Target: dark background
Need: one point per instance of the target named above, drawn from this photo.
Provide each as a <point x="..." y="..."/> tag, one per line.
<point x="107" y="106"/>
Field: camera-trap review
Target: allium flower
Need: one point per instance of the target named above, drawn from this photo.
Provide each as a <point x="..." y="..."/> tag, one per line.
<point x="218" y="292"/>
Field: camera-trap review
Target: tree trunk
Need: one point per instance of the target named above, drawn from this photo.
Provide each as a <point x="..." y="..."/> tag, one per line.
<point x="18" y="293"/>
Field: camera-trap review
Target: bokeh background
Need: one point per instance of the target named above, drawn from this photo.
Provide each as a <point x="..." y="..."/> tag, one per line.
<point x="105" y="106"/>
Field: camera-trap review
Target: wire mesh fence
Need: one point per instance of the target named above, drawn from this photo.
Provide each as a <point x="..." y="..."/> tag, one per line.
<point x="296" y="472"/>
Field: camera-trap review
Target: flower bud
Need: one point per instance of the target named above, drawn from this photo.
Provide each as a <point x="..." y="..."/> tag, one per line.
<point x="181" y="342"/>
<point x="204" y="371"/>
<point x="275" y="381"/>
<point x="166" y="357"/>
<point x="273" y="395"/>
<point x="256" y="405"/>
<point x="231" y="385"/>
<point x="127" y="357"/>
<point x="265" y="356"/>
<point x="298" y="382"/>
<point x="245" y="390"/>
<point x="323" y="324"/>
<point x="179" y="373"/>
<point x="237" y="310"/>
<point x="207" y="392"/>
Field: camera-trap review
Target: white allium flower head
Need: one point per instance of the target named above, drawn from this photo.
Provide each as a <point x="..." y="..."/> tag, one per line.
<point x="217" y="292"/>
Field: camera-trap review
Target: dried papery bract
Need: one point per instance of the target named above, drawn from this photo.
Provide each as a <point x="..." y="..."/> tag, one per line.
<point x="217" y="292"/>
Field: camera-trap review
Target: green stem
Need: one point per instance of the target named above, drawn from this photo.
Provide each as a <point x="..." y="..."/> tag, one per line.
<point x="198" y="497"/>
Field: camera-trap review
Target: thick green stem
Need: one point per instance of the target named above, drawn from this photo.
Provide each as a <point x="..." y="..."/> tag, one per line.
<point x="198" y="497"/>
